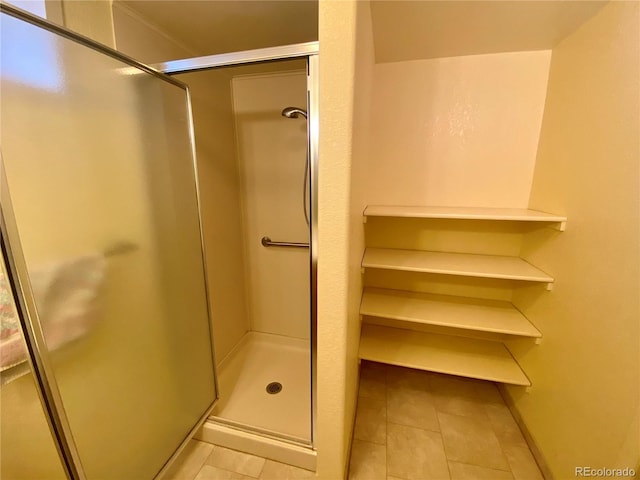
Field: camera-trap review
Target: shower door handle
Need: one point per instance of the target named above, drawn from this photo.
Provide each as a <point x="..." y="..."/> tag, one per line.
<point x="266" y="242"/>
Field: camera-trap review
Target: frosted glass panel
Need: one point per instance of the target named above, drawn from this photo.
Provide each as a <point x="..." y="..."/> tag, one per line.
<point x="24" y="431"/>
<point x="99" y="165"/>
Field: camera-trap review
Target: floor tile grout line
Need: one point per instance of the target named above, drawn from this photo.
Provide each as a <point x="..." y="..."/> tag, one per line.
<point x="484" y="407"/>
<point x="204" y="462"/>
<point x="464" y="416"/>
<point x="480" y="466"/>
<point x="386" y="422"/>
<point x="473" y="464"/>
<point x="446" y="457"/>
<point x="262" y="469"/>
<point x="231" y="471"/>
<point x="386" y="429"/>
<point x="222" y="449"/>
<point x="500" y="443"/>
<point x="413" y="426"/>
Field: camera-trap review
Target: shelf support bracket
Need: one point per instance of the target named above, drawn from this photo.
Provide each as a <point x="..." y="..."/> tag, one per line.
<point x="562" y="226"/>
<point x="549" y="286"/>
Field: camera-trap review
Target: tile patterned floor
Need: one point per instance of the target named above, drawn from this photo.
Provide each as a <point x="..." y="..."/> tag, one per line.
<point x="203" y="461"/>
<point x="414" y="425"/>
<point x="410" y="425"/>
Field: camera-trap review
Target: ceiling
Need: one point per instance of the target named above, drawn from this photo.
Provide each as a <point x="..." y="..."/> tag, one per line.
<point x="402" y="30"/>
<point x="213" y="26"/>
<point x="412" y="30"/>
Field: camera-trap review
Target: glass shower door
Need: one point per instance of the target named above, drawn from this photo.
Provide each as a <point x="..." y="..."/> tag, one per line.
<point x="99" y="165"/>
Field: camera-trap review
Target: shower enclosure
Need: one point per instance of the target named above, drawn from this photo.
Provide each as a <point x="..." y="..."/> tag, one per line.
<point x="126" y="260"/>
<point x="254" y="156"/>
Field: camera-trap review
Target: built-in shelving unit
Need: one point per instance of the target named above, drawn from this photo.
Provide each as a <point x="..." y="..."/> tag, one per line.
<point x="441" y="353"/>
<point x="402" y="340"/>
<point x="462" y="264"/>
<point x="447" y="311"/>
<point x="465" y="213"/>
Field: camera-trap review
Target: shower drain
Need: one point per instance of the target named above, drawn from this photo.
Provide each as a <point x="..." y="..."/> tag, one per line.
<point x="274" y="387"/>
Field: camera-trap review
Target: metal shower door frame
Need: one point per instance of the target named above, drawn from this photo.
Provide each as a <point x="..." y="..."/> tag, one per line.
<point x="310" y="51"/>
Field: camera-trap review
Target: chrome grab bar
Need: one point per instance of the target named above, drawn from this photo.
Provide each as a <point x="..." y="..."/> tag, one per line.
<point x="266" y="242"/>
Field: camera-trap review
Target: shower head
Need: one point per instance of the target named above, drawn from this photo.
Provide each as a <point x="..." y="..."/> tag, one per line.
<point x="293" y="112"/>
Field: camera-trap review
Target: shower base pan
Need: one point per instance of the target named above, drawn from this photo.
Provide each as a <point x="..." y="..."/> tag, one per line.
<point x="265" y="400"/>
<point x="244" y="441"/>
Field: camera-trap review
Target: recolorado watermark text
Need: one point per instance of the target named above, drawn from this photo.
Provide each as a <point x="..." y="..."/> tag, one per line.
<point x="604" y="472"/>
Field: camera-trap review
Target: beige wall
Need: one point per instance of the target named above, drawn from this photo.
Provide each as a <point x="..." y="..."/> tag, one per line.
<point x="457" y="131"/>
<point x="271" y="153"/>
<point x="337" y="22"/>
<point x="363" y="82"/>
<point x="93" y="19"/>
<point x="583" y="406"/>
<point x="415" y="30"/>
<point x="343" y="151"/>
<point x="143" y="41"/>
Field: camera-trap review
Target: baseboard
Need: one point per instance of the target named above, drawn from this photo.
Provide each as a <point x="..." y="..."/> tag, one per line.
<point x="537" y="454"/>
<point x="353" y="426"/>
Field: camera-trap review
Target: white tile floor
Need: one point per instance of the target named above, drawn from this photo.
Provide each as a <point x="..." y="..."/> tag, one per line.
<point x="203" y="461"/>
<point x="415" y="425"/>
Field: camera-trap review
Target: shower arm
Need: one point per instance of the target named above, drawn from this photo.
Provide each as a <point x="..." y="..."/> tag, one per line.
<point x="266" y="242"/>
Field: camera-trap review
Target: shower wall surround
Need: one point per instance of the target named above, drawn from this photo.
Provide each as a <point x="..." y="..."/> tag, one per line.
<point x="271" y="152"/>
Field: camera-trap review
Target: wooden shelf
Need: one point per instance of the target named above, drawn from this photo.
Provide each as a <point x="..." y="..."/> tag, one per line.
<point x="462" y="264"/>
<point x="441" y="353"/>
<point x="397" y="343"/>
<point x="465" y="213"/>
<point x="448" y="311"/>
